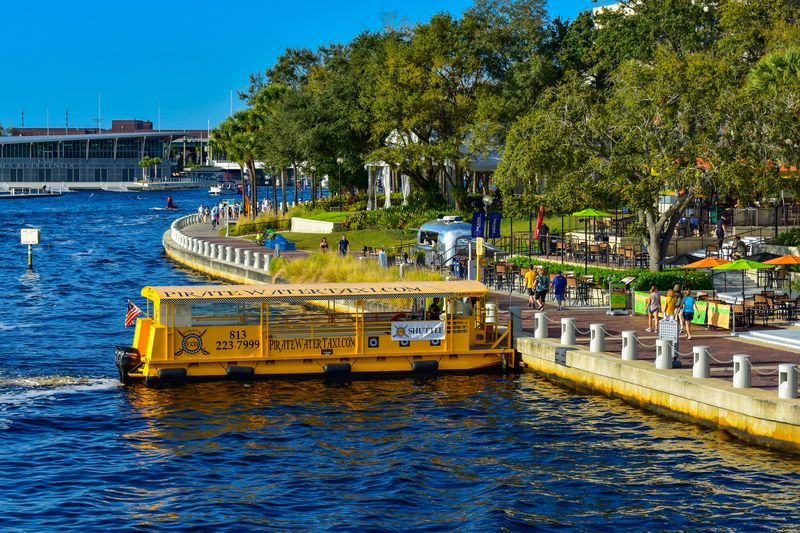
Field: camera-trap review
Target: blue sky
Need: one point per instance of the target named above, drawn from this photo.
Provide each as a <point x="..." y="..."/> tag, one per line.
<point x="182" y="58"/>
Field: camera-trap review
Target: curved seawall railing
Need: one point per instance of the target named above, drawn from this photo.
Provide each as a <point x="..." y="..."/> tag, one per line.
<point x="219" y="259"/>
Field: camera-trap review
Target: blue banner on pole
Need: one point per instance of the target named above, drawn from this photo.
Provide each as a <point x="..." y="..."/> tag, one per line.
<point x="478" y="222"/>
<point x="494" y="225"/>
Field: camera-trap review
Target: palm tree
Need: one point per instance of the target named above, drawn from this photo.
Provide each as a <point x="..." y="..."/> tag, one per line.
<point x="239" y="136"/>
<point x="777" y="73"/>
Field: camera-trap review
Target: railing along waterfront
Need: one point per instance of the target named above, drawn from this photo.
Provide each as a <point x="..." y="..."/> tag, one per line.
<point x="215" y="251"/>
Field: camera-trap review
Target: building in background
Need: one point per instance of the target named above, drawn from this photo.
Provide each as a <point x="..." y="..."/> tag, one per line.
<point x="82" y="158"/>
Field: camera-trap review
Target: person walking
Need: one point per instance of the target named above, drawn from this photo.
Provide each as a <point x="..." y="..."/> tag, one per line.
<point x="544" y="237"/>
<point x="559" y="285"/>
<point x="530" y="284"/>
<point x="677" y="309"/>
<point x="653" y="310"/>
<point x="689" y="307"/>
<point x="542" y="285"/>
<point x="344" y="245"/>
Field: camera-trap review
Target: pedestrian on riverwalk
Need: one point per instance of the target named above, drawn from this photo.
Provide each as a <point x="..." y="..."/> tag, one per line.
<point x="677" y="311"/>
<point x="653" y="309"/>
<point x="530" y="282"/>
<point x="542" y="286"/>
<point x="559" y="285"/>
<point x="689" y="307"/>
<point x="344" y="245"/>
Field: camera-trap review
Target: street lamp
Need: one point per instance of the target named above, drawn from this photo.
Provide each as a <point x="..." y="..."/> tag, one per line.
<point x="340" y="160"/>
<point x="487" y="201"/>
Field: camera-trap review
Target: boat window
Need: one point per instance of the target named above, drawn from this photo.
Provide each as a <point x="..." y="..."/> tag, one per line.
<point x="221" y="313"/>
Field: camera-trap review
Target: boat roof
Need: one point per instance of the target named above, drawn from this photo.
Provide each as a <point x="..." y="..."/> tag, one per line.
<point x="314" y="291"/>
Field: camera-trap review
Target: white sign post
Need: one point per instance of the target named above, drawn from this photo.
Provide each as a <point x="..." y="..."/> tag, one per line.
<point x="669" y="329"/>
<point x="29" y="236"/>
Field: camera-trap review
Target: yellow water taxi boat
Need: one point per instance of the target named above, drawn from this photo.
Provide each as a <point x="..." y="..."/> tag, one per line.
<point x="332" y="330"/>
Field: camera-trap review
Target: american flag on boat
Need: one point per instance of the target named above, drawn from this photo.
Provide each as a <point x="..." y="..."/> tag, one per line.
<point x="133" y="312"/>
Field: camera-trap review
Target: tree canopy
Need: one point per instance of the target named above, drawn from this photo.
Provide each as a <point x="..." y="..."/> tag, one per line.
<point x="608" y="110"/>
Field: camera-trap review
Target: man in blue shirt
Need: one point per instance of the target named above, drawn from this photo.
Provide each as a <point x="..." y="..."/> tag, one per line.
<point x="559" y="285"/>
<point x="344" y="245"/>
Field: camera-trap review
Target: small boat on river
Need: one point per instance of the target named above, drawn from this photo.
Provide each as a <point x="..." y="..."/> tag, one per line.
<point x="330" y="330"/>
<point x="223" y="188"/>
<point x="19" y="193"/>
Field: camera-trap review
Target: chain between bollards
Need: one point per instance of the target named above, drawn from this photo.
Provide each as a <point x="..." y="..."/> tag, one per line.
<point x="609" y="335"/>
<point x="645" y="345"/>
<point x="718" y="361"/>
<point x="759" y="372"/>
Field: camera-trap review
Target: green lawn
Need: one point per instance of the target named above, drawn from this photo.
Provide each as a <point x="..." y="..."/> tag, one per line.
<point x="358" y="239"/>
<point x="327" y="216"/>
<point x="392" y="237"/>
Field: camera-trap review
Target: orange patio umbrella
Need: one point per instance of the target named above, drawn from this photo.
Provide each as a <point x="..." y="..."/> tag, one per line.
<point x="711" y="262"/>
<point x="785" y="260"/>
<point x="708" y="262"/>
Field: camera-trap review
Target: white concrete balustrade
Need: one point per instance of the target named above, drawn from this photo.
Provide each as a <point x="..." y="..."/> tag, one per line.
<point x="214" y="251"/>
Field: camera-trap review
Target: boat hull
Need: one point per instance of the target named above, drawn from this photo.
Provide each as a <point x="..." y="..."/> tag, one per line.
<point x="322" y="368"/>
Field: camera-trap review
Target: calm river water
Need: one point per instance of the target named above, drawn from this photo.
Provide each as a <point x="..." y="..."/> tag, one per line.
<point x="481" y="453"/>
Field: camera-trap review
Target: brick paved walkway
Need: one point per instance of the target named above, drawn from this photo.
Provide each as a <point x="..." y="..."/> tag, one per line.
<point x="722" y="346"/>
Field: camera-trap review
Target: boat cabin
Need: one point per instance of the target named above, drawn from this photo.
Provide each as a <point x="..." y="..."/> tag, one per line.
<point x="327" y="329"/>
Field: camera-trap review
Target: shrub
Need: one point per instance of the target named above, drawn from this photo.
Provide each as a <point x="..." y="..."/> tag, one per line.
<point x="790" y="238"/>
<point x="696" y="280"/>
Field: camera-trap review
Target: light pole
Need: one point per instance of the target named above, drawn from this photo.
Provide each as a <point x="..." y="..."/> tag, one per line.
<point x="339" y="160"/>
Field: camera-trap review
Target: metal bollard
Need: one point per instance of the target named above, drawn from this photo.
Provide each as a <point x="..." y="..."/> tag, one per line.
<point x="663" y="354"/>
<point x="597" y="338"/>
<point x="787" y="381"/>
<point x="515" y="312"/>
<point x="701" y="367"/>
<point x="568" y="331"/>
<point x="629" y="346"/>
<point x="741" y="371"/>
<point x="540" y="325"/>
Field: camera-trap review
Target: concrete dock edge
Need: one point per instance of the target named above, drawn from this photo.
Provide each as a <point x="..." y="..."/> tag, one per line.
<point x="752" y="415"/>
